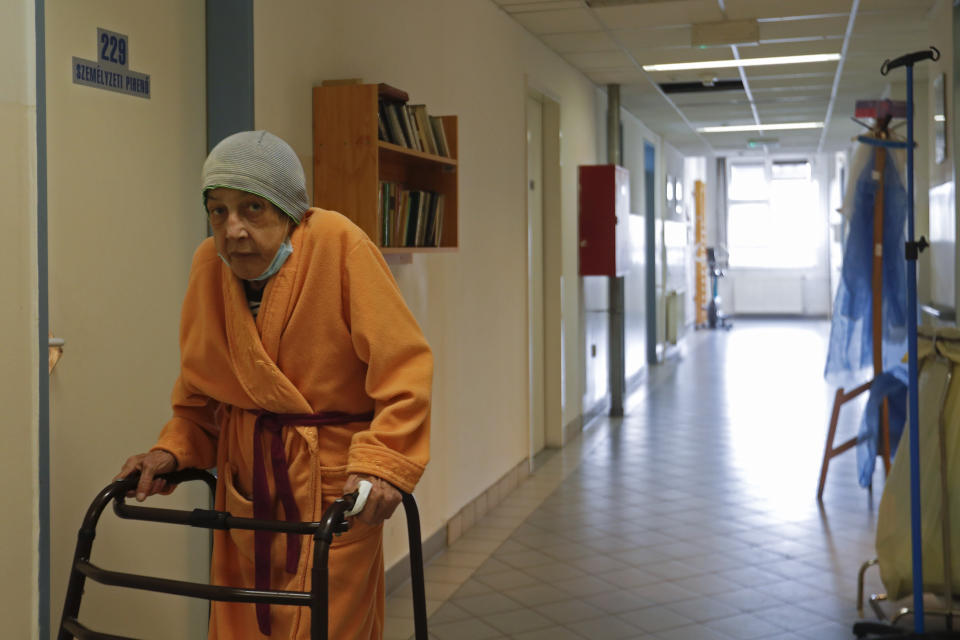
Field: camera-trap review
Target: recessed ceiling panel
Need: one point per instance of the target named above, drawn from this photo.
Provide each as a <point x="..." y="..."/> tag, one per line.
<point x="718" y="117"/>
<point x="579" y="42"/>
<point x="787" y="80"/>
<point x="519" y="6"/>
<point x="714" y="117"/>
<point x="660" y="14"/>
<point x="598" y="60"/>
<point x="737" y="96"/>
<point x="567" y="21"/>
<point x="624" y="75"/>
<point x="803" y="48"/>
<point x="665" y="55"/>
<point x="823" y="28"/>
<point x="920" y="6"/>
<point x="641" y="39"/>
<point x="778" y="90"/>
<point x="766" y="9"/>
<point x="792" y="71"/>
<point x="887" y="47"/>
<point x="878" y="22"/>
<point x="810" y="111"/>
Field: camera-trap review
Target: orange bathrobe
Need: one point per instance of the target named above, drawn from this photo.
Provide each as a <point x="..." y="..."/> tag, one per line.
<point x="333" y="334"/>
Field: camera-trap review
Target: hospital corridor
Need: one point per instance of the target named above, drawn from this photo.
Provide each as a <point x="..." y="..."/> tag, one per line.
<point x="480" y="319"/>
<point x="688" y="518"/>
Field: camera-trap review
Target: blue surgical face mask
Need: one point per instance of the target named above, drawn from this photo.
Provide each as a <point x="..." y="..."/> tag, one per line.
<point x="278" y="259"/>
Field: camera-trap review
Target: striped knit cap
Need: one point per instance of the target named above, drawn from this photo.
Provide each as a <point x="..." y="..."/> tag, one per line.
<point x="260" y="163"/>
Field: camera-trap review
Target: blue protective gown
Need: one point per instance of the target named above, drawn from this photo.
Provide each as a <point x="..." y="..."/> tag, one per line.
<point x="850" y="352"/>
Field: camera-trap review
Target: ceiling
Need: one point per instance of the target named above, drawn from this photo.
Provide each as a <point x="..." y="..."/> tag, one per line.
<point x="610" y="40"/>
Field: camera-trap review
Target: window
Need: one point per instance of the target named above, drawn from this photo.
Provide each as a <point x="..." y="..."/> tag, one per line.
<point x="773" y="219"/>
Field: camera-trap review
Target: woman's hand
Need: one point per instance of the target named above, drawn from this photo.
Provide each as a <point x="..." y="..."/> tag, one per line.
<point x="382" y="501"/>
<point x="149" y="465"/>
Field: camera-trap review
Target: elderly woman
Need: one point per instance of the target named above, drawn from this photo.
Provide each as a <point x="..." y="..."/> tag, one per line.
<point x="302" y="373"/>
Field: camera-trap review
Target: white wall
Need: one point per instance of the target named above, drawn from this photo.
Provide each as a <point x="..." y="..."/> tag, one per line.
<point x="938" y="266"/>
<point x="470" y="59"/>
<point x="673" y="250"/>
<point x="19" y="363"/>
<point x="635" y="133"/>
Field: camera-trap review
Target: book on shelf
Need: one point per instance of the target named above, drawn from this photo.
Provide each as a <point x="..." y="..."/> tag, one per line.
<point x="382" y="132"/>
<point x="438" y="228"/>
<point x="409" y="217"/>
<point x="394" y="126"/>
<point x="404" y="118"/>
<point x="420" y="231"/>
<point x="410" y="229"/>
<point x="412" y="134"/>
<point x="411" y="126"/>
<point x="424" y="128"/>
<point x="440" y="136"/>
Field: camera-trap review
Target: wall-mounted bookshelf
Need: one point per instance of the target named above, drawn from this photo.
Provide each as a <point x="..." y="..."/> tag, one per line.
<point x="351" y="161"/>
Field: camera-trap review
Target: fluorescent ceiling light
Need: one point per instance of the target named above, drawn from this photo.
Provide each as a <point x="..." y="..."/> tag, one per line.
<point x="939" y="118"/>
<point x="762" y="127"/>
<point x="745" y="62"/>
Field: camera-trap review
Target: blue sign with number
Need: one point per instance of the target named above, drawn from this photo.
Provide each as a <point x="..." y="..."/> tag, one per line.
<point x="111" y="69"/>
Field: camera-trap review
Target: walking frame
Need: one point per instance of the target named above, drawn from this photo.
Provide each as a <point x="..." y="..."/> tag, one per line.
<point x="332" y="523"/>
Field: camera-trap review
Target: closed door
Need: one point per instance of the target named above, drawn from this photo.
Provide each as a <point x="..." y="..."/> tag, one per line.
<point x="124" y="219"/>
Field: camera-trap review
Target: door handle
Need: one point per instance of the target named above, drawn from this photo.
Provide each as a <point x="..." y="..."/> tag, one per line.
<point x="54" y="352"/>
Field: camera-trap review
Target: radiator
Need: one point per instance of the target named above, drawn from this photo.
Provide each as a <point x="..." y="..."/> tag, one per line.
<point x="766" y="294"/>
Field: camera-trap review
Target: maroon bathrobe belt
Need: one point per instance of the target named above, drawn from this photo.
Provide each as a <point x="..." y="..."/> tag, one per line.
<point x="273" y="424"/>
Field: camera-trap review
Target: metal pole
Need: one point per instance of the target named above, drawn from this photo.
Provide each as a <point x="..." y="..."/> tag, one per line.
<point x="43" y="315"/>
<point x="915" y="528"/>
<point x="617" y="338"/>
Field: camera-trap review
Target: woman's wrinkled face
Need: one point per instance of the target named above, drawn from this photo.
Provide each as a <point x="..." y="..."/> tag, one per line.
<point x="247" y="229"/>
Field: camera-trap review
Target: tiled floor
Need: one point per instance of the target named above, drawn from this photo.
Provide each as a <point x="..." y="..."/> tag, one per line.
<point x="693" y="518"/>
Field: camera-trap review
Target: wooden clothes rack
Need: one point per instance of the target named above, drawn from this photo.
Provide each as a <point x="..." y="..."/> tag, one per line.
<point x="830" y="451"/>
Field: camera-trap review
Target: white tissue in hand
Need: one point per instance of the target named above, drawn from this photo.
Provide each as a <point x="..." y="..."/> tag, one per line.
<point x="364" y="491"/>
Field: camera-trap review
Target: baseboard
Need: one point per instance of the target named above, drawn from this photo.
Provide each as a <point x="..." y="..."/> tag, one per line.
<point x="460" y="523"/>
<point x="634" y="381"/>
<point x="400" y="571"/>
<point x="471" y="513"/>
<point x="572" y="429"/>
<point x="600" y="408"/>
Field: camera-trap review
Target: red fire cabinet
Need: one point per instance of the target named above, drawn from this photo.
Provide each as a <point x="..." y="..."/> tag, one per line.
<point x="604" y="222"/>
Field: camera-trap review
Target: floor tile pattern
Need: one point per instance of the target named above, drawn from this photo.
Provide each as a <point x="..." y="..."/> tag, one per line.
<point x="692" y="518"/>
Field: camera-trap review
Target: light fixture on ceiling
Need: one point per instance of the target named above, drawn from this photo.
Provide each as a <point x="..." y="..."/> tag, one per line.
<point x="745" y="62"/>
<point x="726" y="32"/>
<point x="783" y="126"/>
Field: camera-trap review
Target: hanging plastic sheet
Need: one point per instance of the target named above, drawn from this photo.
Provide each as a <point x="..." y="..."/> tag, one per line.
<point x="850" y="351"/>
<point x="892" y="386"/>
<point x="939" y="400"/>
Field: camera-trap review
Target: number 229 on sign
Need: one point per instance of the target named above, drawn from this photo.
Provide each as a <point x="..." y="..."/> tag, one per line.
<point x="112" y="47"/>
